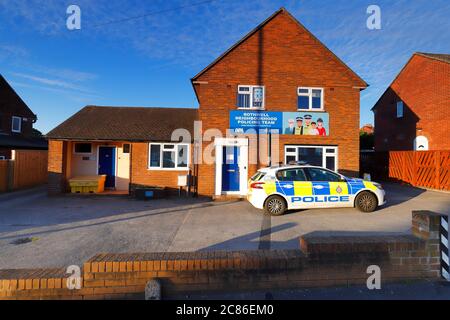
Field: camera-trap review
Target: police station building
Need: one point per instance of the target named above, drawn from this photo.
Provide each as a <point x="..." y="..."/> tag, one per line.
<point x="278" y="91"/>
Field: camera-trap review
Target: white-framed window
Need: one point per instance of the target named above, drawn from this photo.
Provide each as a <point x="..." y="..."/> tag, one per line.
<point x="250" y="97"/>
<point x="310" y="98"/>
<point x="168" y="156"/>
<point x="16" y="124"/>
<point x="2" y="158"/>
<point x="82" y="148"/>
<point x="399" y="109"/>
<point x="322" y="156"/>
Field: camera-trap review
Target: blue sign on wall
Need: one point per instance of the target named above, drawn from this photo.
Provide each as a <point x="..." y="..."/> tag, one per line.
<point x="243" y="121"/>
<point x="295" y="123"/>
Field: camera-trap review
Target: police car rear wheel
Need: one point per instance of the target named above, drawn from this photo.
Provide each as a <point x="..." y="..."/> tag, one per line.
<point x="275" y="206"/>
<point x="366" y="202"/>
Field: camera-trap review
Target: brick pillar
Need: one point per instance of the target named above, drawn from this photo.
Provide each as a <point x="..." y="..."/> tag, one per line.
<point x="433" y="228"/>
<point x="425" y="224"/>
<point x="56" y="167"/>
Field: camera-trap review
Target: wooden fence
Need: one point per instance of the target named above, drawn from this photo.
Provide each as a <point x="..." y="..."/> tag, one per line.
<point x="28" y="168"/>
<point x="4" y="175"/>
<point x="429" y="169"/>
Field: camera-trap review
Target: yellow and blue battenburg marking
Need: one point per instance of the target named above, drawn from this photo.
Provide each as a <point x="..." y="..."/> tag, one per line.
<point x="306" y="188"/>
<point x="325" y="191"/>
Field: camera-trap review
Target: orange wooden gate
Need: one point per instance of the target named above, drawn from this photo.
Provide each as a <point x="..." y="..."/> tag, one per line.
<point x="429" y="169"/>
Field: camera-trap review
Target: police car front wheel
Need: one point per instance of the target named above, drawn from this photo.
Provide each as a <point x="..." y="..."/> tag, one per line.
<point x="275" y="206"/>
<point x="366" y="201"/>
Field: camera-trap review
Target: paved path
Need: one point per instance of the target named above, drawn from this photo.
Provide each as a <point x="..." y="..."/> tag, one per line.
<point x="68" y="230"/>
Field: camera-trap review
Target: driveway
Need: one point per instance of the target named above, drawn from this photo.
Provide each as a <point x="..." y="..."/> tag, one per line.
<point x="37" y="231"/>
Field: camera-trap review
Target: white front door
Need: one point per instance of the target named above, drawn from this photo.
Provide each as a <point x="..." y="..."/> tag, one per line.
<point x="231" y="166"/>
<point x="421" y="143"/>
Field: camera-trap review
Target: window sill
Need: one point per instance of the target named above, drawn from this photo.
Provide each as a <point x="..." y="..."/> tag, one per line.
<point x="251" y="109"/>
<point x="311" y="110"/>
<point x="168" y="169"/>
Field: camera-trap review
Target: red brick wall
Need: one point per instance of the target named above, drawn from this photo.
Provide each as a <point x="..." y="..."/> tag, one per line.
<point x="141" y="175"/>
<point x="56" y="166"/>
<point x="423" y="86"/>
<point x="283" y="56"/>
<point x="332" y="262"/>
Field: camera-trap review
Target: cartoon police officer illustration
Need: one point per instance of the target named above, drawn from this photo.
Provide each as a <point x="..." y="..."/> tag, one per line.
<point x="299" y="128"/>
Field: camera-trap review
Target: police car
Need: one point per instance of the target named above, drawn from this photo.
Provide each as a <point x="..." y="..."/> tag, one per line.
<point x="277" y="189"/>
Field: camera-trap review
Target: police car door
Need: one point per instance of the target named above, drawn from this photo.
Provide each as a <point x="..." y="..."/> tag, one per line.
<point x="294" y="184"/>
<point x="329" y="190"/>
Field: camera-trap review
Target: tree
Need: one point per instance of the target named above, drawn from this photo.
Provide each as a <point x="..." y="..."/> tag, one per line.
<point x="366" y="141"/>
<point x="36" y="133"/>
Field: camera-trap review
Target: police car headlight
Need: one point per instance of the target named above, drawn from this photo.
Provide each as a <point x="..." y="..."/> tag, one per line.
<point x="379" y="186"/>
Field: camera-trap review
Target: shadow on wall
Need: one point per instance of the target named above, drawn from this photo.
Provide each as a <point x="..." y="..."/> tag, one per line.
<point x="381" y="236"/>
<point x="393" y="133"/>
<point x="56" y="183"/>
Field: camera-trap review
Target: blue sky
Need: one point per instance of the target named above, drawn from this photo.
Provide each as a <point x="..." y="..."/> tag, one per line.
<point x="149" y="61"/>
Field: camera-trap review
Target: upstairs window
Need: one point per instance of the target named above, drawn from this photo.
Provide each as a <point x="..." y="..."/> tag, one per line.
<point x="322" y="156"/>
<point x="399" y="109"/>
<point x="310" y="98"/>
<point x="168" y="156"/>
<point x="250" y="97"/>
<point x="16" y="125"/>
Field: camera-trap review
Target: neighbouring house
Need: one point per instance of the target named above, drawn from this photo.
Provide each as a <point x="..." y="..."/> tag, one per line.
<point x="414" y="112"/>
<point x="16" y="123"/>
<point x="278" y="92"/>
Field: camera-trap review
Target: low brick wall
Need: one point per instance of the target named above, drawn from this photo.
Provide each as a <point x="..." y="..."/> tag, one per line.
<point x="322" y="261"/>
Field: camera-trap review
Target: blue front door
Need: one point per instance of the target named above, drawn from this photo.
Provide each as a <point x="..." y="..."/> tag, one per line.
<point x="107" y="165"/>
<point x="230" y="169"/>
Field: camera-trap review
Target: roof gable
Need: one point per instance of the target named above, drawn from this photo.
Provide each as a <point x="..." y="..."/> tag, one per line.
<point x="10" y="101"/>
<point x="431" y="57"/>
<point x="359" y="82"/>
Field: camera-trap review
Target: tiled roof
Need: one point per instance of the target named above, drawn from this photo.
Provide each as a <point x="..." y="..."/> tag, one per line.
<point x="436" y="56"/>
<point x="125" y="124"/>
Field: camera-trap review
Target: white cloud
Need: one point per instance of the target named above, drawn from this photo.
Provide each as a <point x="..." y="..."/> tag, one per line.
<point x="50" y="82"/>
<point x="8" y="51"/>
